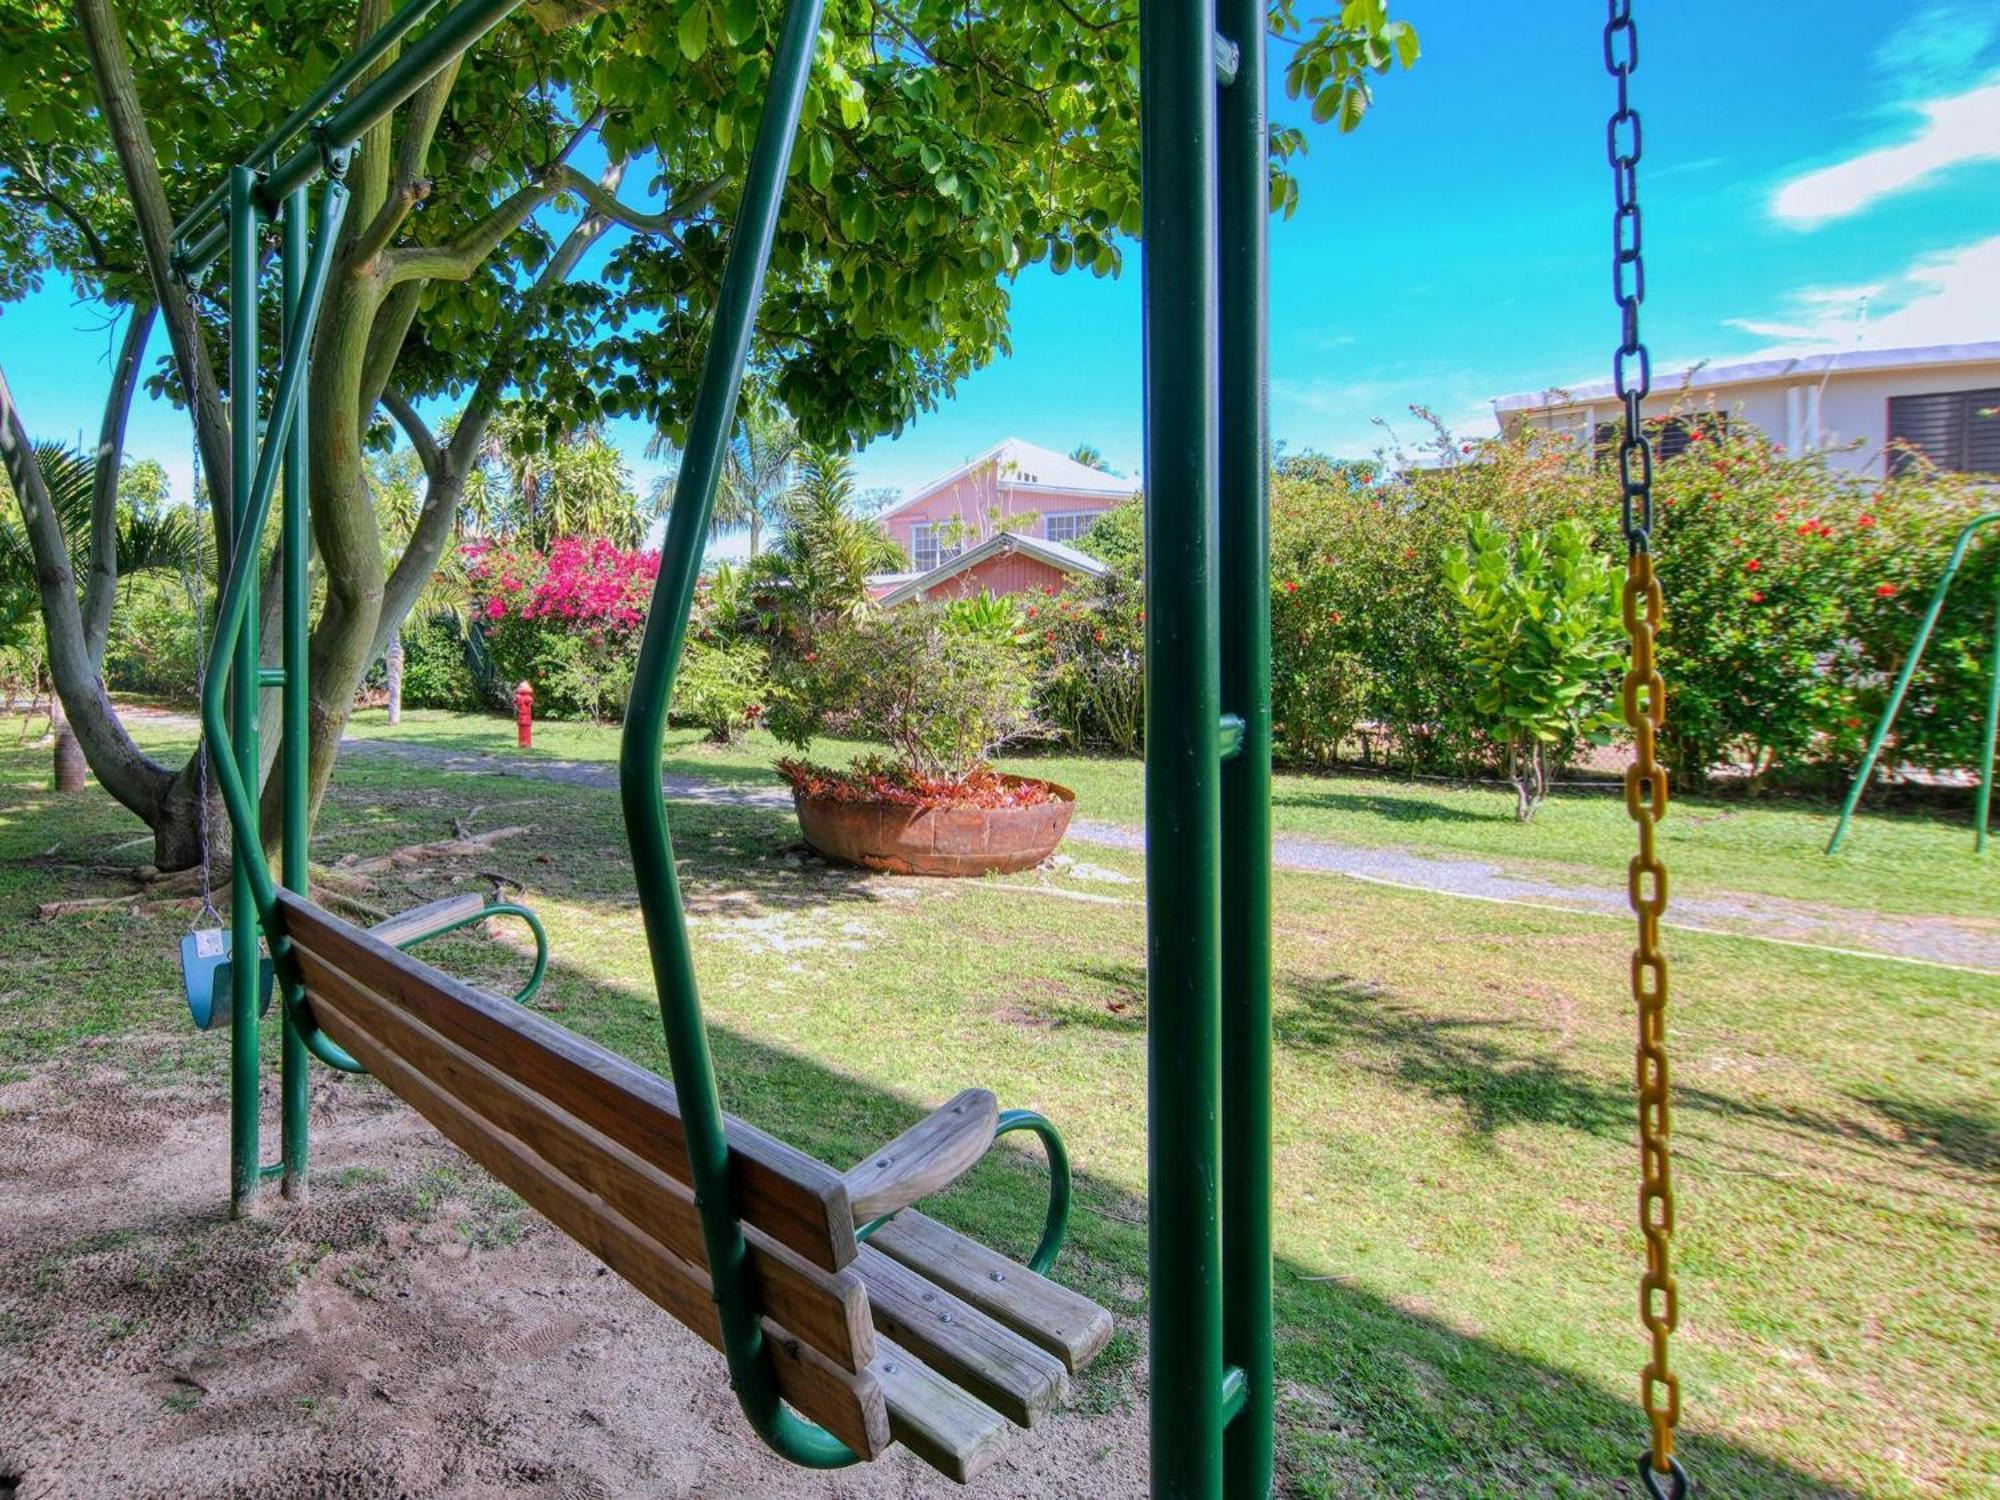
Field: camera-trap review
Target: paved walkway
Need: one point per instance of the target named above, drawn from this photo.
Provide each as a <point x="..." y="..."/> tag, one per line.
<point x="1944" y="941"/>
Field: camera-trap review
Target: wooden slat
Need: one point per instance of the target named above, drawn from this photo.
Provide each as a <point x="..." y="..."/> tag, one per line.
<point x="405" y="925"/>
<point x="797" y="1200"/>
<point x="948" y="1429"/>
<point x="956" y="1339"/>
<point x="828" y="1309"/>
<point x="1067" y="1324"/>
<point x="849" y="1405"/>
<point x="926" y="1158"/>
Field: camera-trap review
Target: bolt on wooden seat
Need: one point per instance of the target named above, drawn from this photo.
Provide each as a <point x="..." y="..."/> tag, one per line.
<point x="919" y="1336"/>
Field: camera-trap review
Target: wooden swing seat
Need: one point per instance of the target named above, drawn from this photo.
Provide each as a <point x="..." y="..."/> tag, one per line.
<point x="920" y="1336"/>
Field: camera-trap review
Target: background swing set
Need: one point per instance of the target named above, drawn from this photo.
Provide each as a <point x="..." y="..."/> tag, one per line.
<point x="849" y="1321"/>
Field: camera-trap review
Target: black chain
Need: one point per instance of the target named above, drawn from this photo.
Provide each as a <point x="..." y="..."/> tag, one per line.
<point x="1632" y="366"/>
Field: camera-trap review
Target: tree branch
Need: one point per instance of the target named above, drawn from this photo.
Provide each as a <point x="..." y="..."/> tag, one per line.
<point x="131" y="139"/>
<point x="100" y="589"/>
<point x="419" y="434"/>
<point x="124" y="770"/>
<point x="458" y="261"/>
<point x="409" y="187"/>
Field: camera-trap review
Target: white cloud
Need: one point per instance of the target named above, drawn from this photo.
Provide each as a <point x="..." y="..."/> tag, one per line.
<point x="1947" y="298"/>
<point x="1961" y="128"/>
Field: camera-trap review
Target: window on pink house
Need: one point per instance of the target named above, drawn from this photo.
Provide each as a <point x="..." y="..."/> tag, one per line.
<point x="927" y="551"/>
<point x="1067" y="526"/>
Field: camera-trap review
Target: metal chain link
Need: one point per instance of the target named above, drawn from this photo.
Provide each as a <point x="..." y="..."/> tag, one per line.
<point x="195" y="587"/>
<point x="1645" y="705"/>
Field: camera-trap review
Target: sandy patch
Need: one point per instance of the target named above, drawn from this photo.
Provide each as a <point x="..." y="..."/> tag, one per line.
<point x="410" y="1332"/>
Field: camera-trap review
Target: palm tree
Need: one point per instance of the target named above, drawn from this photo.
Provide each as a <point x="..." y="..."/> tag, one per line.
<point x="757" y="471"/>
<point x="144" y="541"/>
<point x="541" y="489"/>
<point x="825" y="549"/>
<point x="1091" y="457"/>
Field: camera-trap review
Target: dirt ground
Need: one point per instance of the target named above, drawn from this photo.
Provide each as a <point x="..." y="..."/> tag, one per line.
<point x="413" y="1331"/>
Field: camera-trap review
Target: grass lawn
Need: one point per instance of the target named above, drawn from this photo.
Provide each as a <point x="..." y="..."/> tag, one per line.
<point x="1906" y="863"/>
<point x="1454" y="1156"/>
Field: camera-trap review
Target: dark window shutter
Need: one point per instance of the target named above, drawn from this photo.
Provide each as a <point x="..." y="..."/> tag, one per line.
<point x="1959" y="431"/>
<point x="1982" y="432"/>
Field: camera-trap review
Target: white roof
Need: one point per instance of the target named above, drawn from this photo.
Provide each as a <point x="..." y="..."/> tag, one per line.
<point x="1027" y="466"/>
<point x="1055" y="554"/>
<point x="1804" y="366"/>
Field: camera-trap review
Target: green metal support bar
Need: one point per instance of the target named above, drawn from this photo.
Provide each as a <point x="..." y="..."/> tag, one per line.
<point x="1055" y="1224"/>
<point x="1243" y="213"/>
<point x="358" y="62"/>
<point x="1984" y="802"/>
<point x="641" y="757"/>
<point x="1234" y="1393"/>
<point x="255" y="893"/>
<point x="1229" y="736"/>
<point x="1183" y="771"/>
<point x="295" y="549"/>
<point x="499" y="909"/>
<point x="271" y="677"/>
<point x="236" y="753"/>
<point x="455" y="31"/>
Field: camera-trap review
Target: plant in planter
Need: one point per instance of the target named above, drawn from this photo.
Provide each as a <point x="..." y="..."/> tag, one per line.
<point x="943" y="696"/>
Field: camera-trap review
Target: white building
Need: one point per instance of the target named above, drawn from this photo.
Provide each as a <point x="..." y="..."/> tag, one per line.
<point x="1944" y="400"/>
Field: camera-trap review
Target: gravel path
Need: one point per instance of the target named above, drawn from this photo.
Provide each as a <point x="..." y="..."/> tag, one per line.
<point x="1946" y="941"/>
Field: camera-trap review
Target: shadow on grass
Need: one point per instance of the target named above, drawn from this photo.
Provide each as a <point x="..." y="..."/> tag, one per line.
<point x="1369" y="1389"/>
<point x="1490" y="1068"/>
<point x="1404" y="807"/>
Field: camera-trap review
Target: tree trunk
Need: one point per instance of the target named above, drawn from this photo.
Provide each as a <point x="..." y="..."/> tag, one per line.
<point x="72" y="771"/>
<point x="1522" y="770"/>
<point x="394" y="659"/>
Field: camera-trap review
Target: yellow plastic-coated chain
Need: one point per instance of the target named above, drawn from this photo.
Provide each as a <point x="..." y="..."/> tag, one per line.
<point x="1646" y="800"/>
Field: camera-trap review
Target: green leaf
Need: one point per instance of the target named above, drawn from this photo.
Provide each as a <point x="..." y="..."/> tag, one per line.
<point x="693" y="32"/>
<point x="739" y="21"/>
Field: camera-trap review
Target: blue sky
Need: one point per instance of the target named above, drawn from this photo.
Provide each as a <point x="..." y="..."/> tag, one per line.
<point x="1803" y="163"/>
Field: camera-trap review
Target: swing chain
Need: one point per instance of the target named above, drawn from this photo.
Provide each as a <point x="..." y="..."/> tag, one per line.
<point x="1645" y="703"/>
<point x="193" y="586"/>
<point x="1622" y="144"/>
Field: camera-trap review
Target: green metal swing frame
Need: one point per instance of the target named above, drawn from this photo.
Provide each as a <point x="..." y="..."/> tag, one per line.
<point x="1208" y="687"/>
<point x="1982" y="802"/>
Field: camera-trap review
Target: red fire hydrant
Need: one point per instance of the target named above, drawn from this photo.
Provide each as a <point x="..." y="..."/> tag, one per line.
<point x="524" y="715"/>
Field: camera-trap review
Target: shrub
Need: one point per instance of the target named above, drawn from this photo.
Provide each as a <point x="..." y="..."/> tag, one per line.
<point x="437" y="667"/>
<point x="942" y="699"/>
<point x="1793" y="591"/>
<point x="567" y="621"/>
<point x="1090" y="644"/>
<point x="155" y="642"/>
<point x="722" y="686"/>
<point x="1538" y="620"/>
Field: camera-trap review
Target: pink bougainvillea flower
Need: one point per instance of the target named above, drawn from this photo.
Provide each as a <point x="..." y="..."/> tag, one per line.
<point x="1864" y="522"/>
<point x="1753" y="566"/>
<point x="1291" y="585"/>
<point x="1885" y="591"/>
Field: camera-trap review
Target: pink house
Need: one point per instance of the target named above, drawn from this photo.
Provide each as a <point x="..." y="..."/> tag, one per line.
<point x="1030" y="493"/>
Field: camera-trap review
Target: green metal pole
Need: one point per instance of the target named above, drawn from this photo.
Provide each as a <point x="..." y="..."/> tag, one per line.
<point x="1244" y="218"/>
<point x="235" y="610"/>
<point x="297" y="548"/>
<point x="1909" y="670"/>
<point x="1983" y="805"/>
<point x="246" y="988"/>
<point x="1183" y="772"/>
<point x="357" y="62"/>
<point x="640" y="758"/>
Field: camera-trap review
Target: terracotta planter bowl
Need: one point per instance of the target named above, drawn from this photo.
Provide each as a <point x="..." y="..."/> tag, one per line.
<point x="903" y="840"/>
